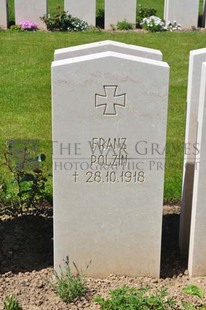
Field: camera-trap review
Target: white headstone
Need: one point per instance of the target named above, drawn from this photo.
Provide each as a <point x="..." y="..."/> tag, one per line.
<point x="184" y="12"/>
<point x="118" y="11"/>
<point x="197" y="57"/>
<point x="78" y="8"/>
<point x="30" y="11"/>
<point x="104" y="46"/>
<point x="197" y="250"/>
<point x="3" y="14"/>
<point x="108" y="108"/>
<point x="203" y="13"/>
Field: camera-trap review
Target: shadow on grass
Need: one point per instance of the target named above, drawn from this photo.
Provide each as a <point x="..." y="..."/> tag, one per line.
<point x="26" y="243"/>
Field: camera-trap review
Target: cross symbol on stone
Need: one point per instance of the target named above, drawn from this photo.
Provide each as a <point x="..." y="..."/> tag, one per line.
<point x="110" y="100"/>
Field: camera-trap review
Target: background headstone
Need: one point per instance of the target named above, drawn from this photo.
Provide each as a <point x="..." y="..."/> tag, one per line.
<point x="118" y="11"/>
<point x="3" y="14"/>
<point x="184" y="12"/>
<point x="203" y="14"/>
<point x="30" y="10"/>
<point x="197" y="57"/>
<point x="197" y="251"/>
<point x="105" y="46"/>
<point x="105" y="211"/>
<point x="85" y="11"/>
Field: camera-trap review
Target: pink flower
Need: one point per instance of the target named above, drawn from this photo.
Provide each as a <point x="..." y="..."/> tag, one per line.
<point x="28" y="25"/>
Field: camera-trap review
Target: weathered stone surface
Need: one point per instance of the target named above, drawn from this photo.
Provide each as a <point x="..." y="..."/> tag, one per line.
<point x="108" y="109"/>
<point x="118" y="11"/>
<point x="85" y="11"/>
<point x="197" y="57"/>
<point x="183" y="12"/>
<point x="3" y="14"/>
<point x="104" y="46"/>
<point x="197" y="250"/>
<point x="30" y="11"/>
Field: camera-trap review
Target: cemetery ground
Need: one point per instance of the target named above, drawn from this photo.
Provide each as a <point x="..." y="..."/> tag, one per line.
<point x="26" y="266"/>
<point x="26" y="242"/>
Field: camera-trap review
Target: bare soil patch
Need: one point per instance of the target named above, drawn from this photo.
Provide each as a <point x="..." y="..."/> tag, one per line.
<point x="26" y="258"/>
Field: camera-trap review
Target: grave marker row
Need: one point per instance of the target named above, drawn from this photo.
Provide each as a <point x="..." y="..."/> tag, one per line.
<point x="114" y="11"/>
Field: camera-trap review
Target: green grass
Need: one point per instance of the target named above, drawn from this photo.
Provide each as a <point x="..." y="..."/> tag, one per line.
<point x="25" y="86"/>
<point x="27" y="76"/>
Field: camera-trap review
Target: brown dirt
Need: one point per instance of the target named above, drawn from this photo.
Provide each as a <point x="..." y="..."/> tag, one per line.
<point x="26" y="256"/>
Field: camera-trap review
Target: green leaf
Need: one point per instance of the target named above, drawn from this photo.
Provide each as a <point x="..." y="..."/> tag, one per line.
<point x="193" y="290"/>
<point x="27" y="178"/>
<point x="188" y="306"/>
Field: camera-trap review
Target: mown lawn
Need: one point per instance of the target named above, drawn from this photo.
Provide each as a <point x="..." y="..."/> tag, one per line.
<point x="25" y="86"/>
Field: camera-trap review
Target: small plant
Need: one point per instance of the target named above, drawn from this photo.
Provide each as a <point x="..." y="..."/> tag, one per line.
<point x="124" y="25"/>
<point x="68" y="286"/>
<point x="28" y="25"/>
<point x="194" y="290"/>
<point x="143" y="12"/>
<point x="77" y="24"/>
<point x="23" y="184"/>
<point x="153" y="24"/>
<point x="16" y="28"/>
<point x="173" y="26"/>
<point x="133" y="299"/>
<point x="11" y="303"/>
<point x="61" y="21"/>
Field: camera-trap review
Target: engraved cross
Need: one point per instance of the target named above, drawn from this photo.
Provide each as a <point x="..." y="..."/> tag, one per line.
<point x="110" y="100"/>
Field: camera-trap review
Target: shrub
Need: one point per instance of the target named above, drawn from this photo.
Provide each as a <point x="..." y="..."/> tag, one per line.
<point x="69" y="286"/>
<point x="194" y="290"/>
<point x="153" y="24"/>
<point x="131" y="298"/>
<point x="61" y="21"/>
<point x="24" y="180"/>
<point x="28" y="25"/>
<point x="16" y="28"/>
<point x="173" y="26"/>
<point x="124" y="25"/>
<point x="143" y="12"/>
<point x="77" y="24"/>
